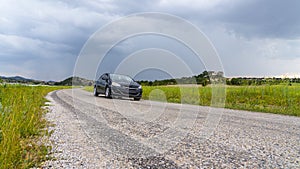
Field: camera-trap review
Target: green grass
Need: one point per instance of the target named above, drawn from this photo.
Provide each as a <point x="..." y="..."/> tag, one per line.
<point x="175" y="94"/>
<point x="89" y="88"/>
<point x="279" y="99"/>
<point x="22" y="125"/>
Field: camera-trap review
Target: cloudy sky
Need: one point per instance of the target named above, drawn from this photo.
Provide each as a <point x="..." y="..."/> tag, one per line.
<point x="43" y="39"/>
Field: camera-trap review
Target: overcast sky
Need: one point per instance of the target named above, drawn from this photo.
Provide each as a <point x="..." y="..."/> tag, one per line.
<point x="42" y="39"/>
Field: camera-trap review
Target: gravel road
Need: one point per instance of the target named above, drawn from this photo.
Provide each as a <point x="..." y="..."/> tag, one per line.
<point x="95" y="132"/>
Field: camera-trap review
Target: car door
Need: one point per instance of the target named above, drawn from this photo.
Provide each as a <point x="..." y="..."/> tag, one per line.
<point x="97" y="85"/>
<point x="102" y="83"/>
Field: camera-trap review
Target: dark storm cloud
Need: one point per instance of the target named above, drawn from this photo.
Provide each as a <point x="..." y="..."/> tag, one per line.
<point x="260" y="19"/>
<point x="48" y="33"/>
<point x="248" y="18"/>
<point x="38" y="37"/>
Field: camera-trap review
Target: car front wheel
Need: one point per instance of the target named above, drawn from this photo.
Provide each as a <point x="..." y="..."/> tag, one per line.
<point x="95" y="91"/>
<point x="107" y="93"/>
<point x="136" y="99"/>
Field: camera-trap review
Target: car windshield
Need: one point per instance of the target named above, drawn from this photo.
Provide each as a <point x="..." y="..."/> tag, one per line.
<point x="120" y="78"/>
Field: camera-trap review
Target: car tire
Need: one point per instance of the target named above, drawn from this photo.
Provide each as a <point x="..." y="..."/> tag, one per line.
<point x="136" y="99"/>
<point x="95" y="92"/>
<point x="107" y="92"/>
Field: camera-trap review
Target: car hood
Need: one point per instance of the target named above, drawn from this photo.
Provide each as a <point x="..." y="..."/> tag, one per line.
<point x="131" y="85"/>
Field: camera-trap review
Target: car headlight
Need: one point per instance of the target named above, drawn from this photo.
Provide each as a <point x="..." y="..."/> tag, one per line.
<point x="115" y="84"/>
<point x="140" y="87"/>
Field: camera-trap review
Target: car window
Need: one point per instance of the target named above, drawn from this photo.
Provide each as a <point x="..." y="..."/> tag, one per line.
<point x="104" y="77"/>
<point x="120" y="78"/>
<point x="101" y="78"/>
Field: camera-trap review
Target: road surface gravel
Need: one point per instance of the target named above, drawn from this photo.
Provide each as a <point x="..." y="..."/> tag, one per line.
<point x="95" y="132"/>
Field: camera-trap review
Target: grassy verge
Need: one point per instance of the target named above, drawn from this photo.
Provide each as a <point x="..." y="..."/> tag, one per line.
<point x="280" y="99"/>
<point x="89" y="88"/>
<point x="22" y="125"/>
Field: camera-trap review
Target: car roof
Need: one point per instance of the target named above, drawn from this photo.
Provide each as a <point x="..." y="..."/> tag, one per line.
<point x="117" y="74"/>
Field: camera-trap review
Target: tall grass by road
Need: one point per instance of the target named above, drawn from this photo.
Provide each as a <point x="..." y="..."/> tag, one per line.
<point x="22" y="125"/>
<point x="280" y="99"/>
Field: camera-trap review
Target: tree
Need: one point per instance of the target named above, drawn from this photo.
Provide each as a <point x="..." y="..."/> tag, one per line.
<point x="235" y="81"/>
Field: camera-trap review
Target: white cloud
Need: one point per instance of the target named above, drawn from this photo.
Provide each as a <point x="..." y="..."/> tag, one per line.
<point x="191" y="4"/>
<point x="13" y="45"/>
<point x="254" y="57"/>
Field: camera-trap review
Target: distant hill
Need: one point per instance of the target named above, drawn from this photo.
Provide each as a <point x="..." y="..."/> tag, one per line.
<point x="19" y="79"/>
<point x="75" y="81"/>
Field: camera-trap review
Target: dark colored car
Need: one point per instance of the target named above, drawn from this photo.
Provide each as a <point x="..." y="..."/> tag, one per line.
<point x="117" y="85"/>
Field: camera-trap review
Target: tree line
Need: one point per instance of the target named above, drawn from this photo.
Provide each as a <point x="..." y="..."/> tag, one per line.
<point x="243" y="81"/>
<point x="207" y="77"/>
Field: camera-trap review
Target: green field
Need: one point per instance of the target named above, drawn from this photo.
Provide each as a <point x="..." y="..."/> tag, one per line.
<point x="22" y="126"/>
<point x="279" y="99"/>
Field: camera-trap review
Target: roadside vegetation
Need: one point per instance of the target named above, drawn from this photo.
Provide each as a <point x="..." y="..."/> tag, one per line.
<point x="274" y="95"/>
<point x="279" y="99"/>
<point x="22" y="126"/>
